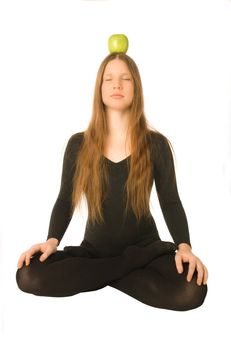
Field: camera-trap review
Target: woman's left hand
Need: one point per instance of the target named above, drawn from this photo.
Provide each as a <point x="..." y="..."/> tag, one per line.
<point x="185" y="254"/>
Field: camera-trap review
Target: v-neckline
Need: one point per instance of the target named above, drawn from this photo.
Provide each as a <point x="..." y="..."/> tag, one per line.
<point x="116" y="163"/>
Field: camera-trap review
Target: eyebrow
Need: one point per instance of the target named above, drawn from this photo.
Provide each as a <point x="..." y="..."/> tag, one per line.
<point x="120" y="74"/>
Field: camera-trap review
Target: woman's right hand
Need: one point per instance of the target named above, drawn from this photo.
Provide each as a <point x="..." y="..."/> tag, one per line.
<point x="47" y="248"/>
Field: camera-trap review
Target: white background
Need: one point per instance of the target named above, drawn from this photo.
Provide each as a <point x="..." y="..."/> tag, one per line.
<point x="50" y="54"/>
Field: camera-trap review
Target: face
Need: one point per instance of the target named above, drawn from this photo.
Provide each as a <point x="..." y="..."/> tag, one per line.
<point x="117" y="86"/>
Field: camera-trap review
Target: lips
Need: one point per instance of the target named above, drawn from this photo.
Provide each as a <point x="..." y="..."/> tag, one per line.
<point x="117" y="96"/>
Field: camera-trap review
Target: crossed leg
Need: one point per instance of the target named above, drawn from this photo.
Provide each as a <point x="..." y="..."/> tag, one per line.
<point x="77" y="269"/>
<point x="147" y="274"/>
<point x="158" y="284"/>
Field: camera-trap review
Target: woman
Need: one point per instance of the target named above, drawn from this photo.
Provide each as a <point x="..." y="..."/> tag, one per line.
<point x="113" y="163"/>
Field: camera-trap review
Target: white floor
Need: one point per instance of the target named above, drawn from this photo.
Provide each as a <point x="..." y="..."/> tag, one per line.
<point x="110" y="319"/>
<point x="183" y="51"/>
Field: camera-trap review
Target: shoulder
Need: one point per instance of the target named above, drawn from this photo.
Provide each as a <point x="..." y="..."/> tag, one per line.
<point x="158" y="141"/>
<point x="74" y="142"/>
<point x="75" y="139"/>
<point x="162" y="151"/>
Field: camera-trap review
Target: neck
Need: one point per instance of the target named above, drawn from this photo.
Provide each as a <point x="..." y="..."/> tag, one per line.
<point x="117" y="122"/>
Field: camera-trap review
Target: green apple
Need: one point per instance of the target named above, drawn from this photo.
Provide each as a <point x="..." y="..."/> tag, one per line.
<point x="118" y="43"/>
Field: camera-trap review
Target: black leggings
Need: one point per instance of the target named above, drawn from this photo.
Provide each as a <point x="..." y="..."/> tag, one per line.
<point x="147" y="274"/>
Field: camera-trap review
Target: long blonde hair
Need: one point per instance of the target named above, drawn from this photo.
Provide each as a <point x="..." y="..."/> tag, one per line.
<point x="91" y="175"/>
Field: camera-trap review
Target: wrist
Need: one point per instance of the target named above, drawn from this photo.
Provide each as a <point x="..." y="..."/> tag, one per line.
<point x="53" y="240"/>
<point x="184" y="246"/>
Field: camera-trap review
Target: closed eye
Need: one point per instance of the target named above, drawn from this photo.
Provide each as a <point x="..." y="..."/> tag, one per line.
<point x="110" y="79"/>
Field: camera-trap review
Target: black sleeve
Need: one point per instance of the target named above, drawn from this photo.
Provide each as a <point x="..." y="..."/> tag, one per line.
<point x="61" y="214"/>
<point x="166" y="186"/>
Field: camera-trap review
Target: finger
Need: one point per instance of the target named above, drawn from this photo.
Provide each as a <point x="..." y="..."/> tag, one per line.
<point x="200" y="273"/>
<point x="21" y="260"/>
<point x="45" y="254"/>
<point x="27" y="258"/>
<point x="191" y="269"/>
<point x="31" y="252"/>
<point x="179" y="264"/>
<point x="205" y="275"/>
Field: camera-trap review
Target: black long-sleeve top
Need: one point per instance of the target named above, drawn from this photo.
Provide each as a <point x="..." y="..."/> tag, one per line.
<point x="116" y="233"/>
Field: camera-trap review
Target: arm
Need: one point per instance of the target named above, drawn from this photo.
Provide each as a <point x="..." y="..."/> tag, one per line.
<point x="166" y="186"/>
<point x="61" y="213"/>
<point x="174" y="214"/>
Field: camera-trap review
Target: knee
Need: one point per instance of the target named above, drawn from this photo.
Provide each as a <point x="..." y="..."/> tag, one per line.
<point x="28" y="280"/>
<point x="191" y="296"/>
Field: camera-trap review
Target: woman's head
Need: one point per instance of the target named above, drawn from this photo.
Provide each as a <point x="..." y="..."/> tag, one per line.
<point x="118" y="73"/>
<point x="117" y="87"/>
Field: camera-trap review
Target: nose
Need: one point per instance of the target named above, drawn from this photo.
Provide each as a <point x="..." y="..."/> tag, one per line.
<point x="117" y="85"/>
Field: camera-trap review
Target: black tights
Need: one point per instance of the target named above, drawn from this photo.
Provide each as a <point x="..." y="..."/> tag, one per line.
<point x="147" y="274"/>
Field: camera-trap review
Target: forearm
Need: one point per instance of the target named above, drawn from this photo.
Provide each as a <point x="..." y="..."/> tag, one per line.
<point x="176" y="221"/>
<point x="60" y="219"/>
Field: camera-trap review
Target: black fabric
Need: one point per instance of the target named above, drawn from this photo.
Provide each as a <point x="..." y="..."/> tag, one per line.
<point x="117" y="232"/>
<point x="146" y="273"/>
<point x="121" y="254"/>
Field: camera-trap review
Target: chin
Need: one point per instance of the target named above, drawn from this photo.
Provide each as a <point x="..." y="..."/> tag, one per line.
<point x="118" y="106"/>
